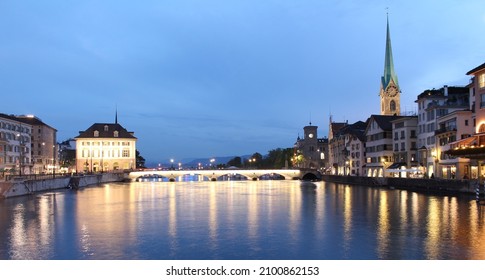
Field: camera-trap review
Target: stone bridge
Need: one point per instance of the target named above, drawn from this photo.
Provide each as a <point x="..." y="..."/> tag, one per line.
<point x="251" y="174"/>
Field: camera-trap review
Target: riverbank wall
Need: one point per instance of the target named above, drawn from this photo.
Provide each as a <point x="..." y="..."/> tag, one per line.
<point x="442" y="186"/>
<point x="25" y="187"/>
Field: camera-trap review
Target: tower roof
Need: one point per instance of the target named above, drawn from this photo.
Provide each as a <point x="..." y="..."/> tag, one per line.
<point x="389" y="74"/>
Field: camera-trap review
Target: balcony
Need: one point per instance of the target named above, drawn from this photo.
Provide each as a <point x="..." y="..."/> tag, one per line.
<point x="445" y="130"/>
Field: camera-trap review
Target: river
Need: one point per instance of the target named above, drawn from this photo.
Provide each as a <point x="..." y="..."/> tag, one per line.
<point x="247" y="220"/>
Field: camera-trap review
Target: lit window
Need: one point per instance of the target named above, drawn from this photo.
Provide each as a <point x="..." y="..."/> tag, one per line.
<point x="481" y="80"/>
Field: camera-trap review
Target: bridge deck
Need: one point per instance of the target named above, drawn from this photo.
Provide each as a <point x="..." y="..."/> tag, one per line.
<point x="215" y="173"/>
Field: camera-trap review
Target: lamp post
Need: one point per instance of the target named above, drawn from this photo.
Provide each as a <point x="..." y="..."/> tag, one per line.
<point x="171" y="162"/>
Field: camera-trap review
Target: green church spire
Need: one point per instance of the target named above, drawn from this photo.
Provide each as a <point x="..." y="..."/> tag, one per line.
<point x="389" y="74"/>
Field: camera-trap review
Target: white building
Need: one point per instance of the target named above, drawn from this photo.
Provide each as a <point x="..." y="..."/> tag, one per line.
<point x="454" y="126"/>
<point x="15" y="142"/>
<point x="105" y="147"/>
<point x="379" y="145"/>
<point x="433" y="104"/>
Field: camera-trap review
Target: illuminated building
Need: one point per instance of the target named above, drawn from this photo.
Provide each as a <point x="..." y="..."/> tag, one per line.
<point x="473" y="147"/>
<point x="105" y="147"/>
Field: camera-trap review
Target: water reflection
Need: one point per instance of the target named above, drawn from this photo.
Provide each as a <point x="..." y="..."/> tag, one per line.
<point x="240" y="220"/>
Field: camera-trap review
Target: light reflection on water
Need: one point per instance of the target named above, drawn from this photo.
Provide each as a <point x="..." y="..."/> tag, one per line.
<point x="240" y="220"/>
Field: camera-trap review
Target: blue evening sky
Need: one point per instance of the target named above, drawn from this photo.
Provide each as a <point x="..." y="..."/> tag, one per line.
<point x="210" y="78"/>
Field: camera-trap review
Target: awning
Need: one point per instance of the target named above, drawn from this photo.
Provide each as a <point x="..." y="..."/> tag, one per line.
<point x="396" y="165"/>
<point x="463" y="142"/>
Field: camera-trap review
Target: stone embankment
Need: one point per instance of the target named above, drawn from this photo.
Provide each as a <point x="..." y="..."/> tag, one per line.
<point x="23" y="187"/>
<point x="414" y="184"/>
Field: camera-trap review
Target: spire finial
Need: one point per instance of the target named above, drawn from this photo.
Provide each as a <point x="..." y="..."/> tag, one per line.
<point x="116" y="115"/>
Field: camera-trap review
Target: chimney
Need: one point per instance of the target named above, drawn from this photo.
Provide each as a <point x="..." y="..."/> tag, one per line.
<point x="445" y="88"/>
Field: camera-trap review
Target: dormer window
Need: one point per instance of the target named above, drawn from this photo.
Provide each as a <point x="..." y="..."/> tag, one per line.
<point x="106" y="128"/>
<point x="96" y="133"/>
<point x="115" y="133"/>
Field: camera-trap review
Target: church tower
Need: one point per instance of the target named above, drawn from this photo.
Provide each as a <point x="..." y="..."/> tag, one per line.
<point x="390" y="92"/>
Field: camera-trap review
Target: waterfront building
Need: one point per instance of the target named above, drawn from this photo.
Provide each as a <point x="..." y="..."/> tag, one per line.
<point x="379" y="144"/>
<point x="311" y="151"/>
<point x="43" y="145"/>
<point x="323" y="149"/>
<point x="349" y="142"/>
<point x="405" y="161"/>
<point x="67" y="155"/>
<point x="473" y="147"/>
<point x="390" y="92"/>
<point x="336" y="153"/>
<point x="433" y="104"/>
<point x="15" y="142"/>
<point x="454" y="126"/>
<point x="105" y="147"/>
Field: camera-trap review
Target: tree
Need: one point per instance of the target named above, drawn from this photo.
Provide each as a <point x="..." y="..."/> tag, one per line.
<point x="278" y="158"/>
<point x="236" y="161"/>
<point x="140" y="161"/>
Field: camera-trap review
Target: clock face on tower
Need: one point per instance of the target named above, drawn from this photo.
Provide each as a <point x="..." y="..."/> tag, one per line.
<point x="310" y="135"/>
<point x="392" y="91"/>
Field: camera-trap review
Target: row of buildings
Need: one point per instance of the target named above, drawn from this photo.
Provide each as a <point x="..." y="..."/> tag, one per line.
<point x="29" y="146"/>
<point x="443" y="139"/>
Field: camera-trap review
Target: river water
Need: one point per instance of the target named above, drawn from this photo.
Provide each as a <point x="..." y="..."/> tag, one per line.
<point x="248" y="220"/>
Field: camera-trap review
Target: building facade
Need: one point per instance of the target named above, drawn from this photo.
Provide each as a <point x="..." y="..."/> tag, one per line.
<point x="105" y="147"/>
<point x="379" y="145"/>
<point x="336" y="152"/>
<point x="454" y="126"/>
<point x="15" y="142"/>
<point x="43" y="145"/>
<point x="433" y="104"/>
<point x="311" y="151"/>
<point x="405" y="160"/>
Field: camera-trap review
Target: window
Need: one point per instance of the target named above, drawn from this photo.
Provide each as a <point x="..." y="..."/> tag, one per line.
<point x="392" y="106"/>
<point x="96" y="133"/>
<point x="481" y="81"/>
<point x="126" y="153"/>
<point x="466" y="122"/>
<point x="482" y="101"/>
<point x="115" y="134"/>
<point x="106" y="128"/>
